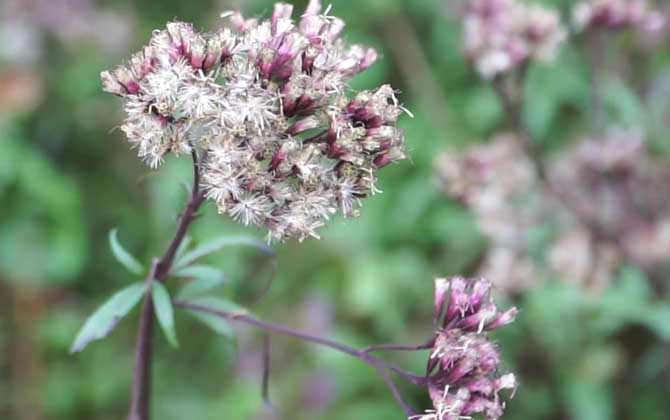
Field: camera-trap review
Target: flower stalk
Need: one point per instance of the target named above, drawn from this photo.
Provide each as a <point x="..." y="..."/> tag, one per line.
<point x="141" y="388"/>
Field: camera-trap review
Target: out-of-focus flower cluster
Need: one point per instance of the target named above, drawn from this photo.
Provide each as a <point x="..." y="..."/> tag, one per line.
<point x="503" y="35"/>
<point x="264" y="103"/>
<point x="464" y="365"/>
<point x="631" y="222"/>
<point x="617" y="14"/>
<point x="495" y="181"/>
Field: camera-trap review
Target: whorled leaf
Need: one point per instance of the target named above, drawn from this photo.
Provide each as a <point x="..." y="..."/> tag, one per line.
<point x="164" y="311"/>
<point x="108" y="315"/>
<point x="218" y="244"/>
<point x="216" y="323"/>
<point x="204" y="279"/>
<point x="122" y="256"/>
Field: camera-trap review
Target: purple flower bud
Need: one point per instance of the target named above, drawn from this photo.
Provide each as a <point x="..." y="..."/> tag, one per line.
<point x="503" y="319"/>
<point x="458" y="299"/>
<point x="507" y="381"/>
<point x="464" y="363"/>
<point x="197" y="53"/>
<point x="358" y="59"/>
<point x="441" y="289"/>
<point x="484" y="386"/>
<point x="491" y="408"/>
<point x="120" y="82"/>
<point x="304" y="124"/>
<point x="382" y="160"/>
<point x="479" y="320"/>
<point x="480" y="291"/>
<point x="111" y="84"/>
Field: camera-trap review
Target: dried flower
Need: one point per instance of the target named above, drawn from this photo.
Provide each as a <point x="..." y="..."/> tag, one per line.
<point x="264" y="103"/>
<point x="502" y="35"/>
<point x="464" y="365"/>
<point x="617" y="14"/>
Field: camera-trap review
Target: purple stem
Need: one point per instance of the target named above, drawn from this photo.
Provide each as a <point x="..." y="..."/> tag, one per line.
<point x="379" y="365"/>
<point x="401" y="347"/>
<point x="140" y="400"/>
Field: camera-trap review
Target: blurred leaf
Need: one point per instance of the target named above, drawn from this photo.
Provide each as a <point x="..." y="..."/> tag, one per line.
<point x="107" y="316"/>
<point x="183" y="247"/>
<point x="548" y="89"/>
<point x="164" y="311"/>
<point x="205" y="279"/>
<point x="622" y="104"/>
<point x="123" y="256"/>
<point x="219" y="244"/>
<point x="588" y="400"/>
<point x="42" y="237"/>
<point x="482" y="109"/>
<point x="201" y="272"/>
<point x="629" y="301"/>
<point x="220" y="304"/>
<point x="216" y="323"/>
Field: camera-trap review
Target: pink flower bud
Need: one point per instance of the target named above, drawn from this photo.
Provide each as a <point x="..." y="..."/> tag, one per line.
<point x="441" y="289"/>
<point x="503" y="319"/>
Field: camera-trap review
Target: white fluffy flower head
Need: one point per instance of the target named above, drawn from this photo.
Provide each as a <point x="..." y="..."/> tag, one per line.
<point x="264" y="104"/>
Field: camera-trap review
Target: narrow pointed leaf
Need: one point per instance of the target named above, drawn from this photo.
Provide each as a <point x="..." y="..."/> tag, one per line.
<point x="198" y="287"/>
<point x="220" y="243"/>
<point x="108" y="315"/>
<point x="164" y="311"/>
<point x="216" y="323"/>
<point x="124" y="257"/>
<point x="201" y="272"/>
<point x="220" y="304"/>
<point x="183" y="246"/>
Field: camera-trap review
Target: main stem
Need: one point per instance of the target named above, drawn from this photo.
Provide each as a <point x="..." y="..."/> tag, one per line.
<point x="141" y="388"/>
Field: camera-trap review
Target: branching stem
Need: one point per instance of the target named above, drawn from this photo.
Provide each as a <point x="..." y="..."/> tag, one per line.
<point x="381" y="366"/>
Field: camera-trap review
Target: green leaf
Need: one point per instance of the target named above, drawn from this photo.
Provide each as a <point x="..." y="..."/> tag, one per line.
<point x="220" y="243"/>
<point x="164" y="311"/>
<point x="123" y="256"/>
<point x="220" y="304"/>
<point x="183" y="246"/>
<point x="216" y="323"/>
<point x="205" y="279"/>
<point x="201" y="272"/>
<point x="107" y="316"/>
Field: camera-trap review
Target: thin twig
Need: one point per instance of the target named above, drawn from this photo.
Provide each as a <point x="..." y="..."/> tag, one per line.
<point x="378" y="364"/>
<point x="408" y="54"/>
<point x="401" y="347"/>
<point x="265" y="375"/>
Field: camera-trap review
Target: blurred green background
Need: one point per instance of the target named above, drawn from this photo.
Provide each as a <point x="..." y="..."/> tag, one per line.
<point x="67" y="177"/>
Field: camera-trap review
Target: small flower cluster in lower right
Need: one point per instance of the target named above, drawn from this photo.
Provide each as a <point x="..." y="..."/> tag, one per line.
<point x="464" y="364"/>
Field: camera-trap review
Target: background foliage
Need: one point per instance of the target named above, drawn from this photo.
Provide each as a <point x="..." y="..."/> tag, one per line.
<point x="67" y="178"/>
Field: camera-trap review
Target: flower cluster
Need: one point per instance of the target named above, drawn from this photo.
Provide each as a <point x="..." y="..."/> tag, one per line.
<point x="502" y="35"/>
<point x="464" y="364"/>
<point x="632" y="187"/>
<point x="631" y="224"/>
<point x="617" y="14"/>
<point x="503" y="205"/>
<point x="264" y="104"/>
